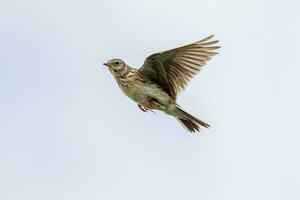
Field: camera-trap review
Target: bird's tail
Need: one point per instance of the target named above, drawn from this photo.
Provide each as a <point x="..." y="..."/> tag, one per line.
<point x="189" y="122"/>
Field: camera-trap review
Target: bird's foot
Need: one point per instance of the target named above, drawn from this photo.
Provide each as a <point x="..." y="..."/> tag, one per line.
<point x="152" y="102"/>
<point x="144" y="109"/>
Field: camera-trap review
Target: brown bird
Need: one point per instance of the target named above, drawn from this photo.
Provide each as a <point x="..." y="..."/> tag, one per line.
<point x="163" y="75"/>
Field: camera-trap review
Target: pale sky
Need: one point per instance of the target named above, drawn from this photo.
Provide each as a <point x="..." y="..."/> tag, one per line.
<point x="68" y="132"/>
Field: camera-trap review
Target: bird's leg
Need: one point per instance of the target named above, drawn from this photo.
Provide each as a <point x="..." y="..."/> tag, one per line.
<point x="152" y="102"/>
<point x="143" y="108"/>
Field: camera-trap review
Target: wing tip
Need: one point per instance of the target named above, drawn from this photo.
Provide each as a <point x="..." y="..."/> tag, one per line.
<point x="206" y="38"/>
<point x="208" y="41"/>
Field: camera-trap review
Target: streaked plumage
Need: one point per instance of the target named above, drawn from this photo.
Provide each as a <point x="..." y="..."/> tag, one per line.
<point x="163" y="75"/>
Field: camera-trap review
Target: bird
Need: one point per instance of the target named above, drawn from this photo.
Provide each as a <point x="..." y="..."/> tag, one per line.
<point x="157" y="83"/>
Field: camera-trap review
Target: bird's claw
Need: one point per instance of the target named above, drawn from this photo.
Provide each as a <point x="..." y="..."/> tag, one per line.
<point x="152" y="103"/>
<point x="143" y="108"/>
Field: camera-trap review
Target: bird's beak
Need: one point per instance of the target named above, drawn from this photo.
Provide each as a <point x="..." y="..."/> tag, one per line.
<point x="106" y="64"/>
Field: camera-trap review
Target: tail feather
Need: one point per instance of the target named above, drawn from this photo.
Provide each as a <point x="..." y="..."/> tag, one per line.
<point x="191" y="123"/>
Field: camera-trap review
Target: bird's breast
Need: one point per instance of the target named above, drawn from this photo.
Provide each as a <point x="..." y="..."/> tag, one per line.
<point x="133" y="89"/>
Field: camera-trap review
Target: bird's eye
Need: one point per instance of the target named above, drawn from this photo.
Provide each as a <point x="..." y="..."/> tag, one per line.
<point x="117" y="63"/>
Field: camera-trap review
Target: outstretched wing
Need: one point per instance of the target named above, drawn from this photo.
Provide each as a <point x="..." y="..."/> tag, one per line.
<point x="172" y="69"/>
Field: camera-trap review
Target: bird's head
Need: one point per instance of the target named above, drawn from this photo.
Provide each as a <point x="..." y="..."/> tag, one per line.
<point x="116" y="66"/>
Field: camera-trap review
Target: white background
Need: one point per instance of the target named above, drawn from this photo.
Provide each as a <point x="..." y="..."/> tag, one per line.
<point x="67" y="131"/>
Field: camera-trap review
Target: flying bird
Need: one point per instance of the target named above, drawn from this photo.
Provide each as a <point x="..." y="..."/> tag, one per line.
<point x="156" y="84"/>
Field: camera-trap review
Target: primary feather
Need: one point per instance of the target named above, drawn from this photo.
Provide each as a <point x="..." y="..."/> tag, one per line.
<point x="173" y="69"/>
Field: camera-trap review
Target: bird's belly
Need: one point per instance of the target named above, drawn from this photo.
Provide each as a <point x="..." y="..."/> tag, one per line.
<point x="140" y="93"/>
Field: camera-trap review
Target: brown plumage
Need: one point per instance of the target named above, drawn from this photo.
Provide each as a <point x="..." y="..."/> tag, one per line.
<point x="163" y="75"/>
<point x="181" y="64"/>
